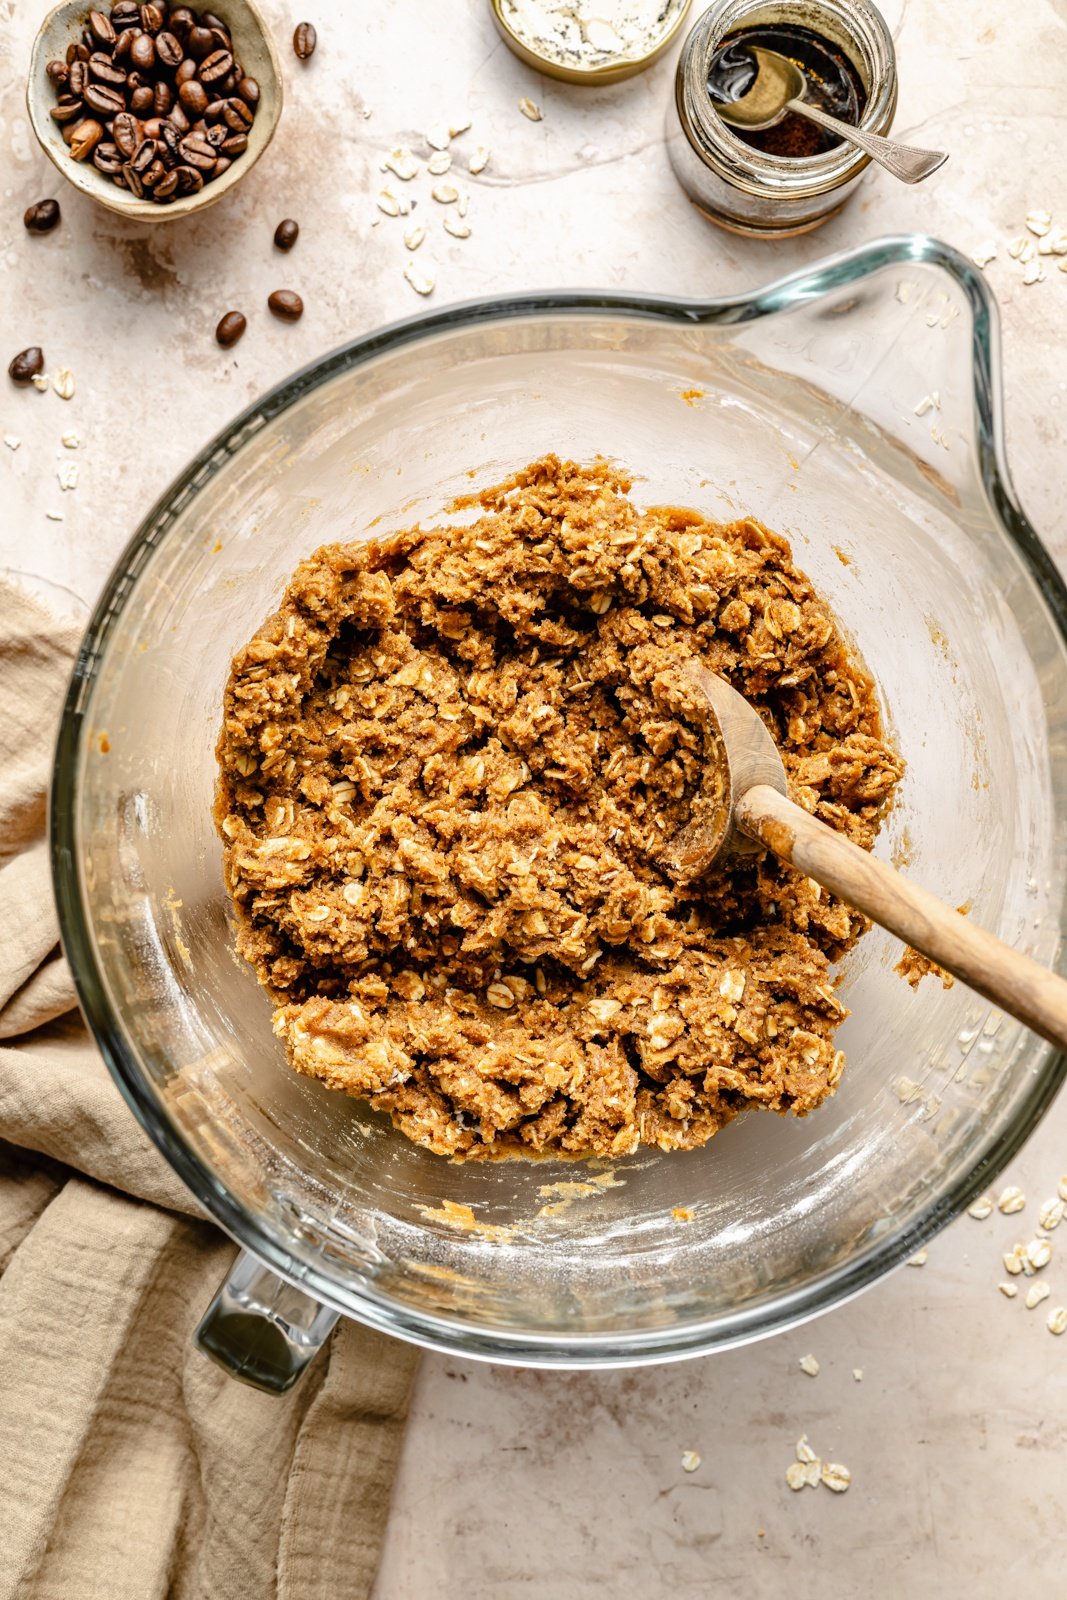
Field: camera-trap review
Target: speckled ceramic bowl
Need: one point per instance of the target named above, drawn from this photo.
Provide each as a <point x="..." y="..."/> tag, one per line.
<point x="254" y="48"/>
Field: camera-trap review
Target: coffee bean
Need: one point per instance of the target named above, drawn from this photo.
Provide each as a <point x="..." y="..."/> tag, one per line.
<point x="67" y="111"/>
<point x="304" y="40"/>
<point x="143" y="52"/>
<point x="230" y="328"/>
<point x="216" y="66"/>
<point x="286" y="304"/>
<point x="24" y="367"/>
<point x="200" y="42"/>
<point x="197" y="152"/>
<point x="238" y="116"/>
<point x="101" y="28"/>
<point x="127" y="133"/>
<point x="106" y="159"/>
<point x="105" y="102"/>
<point x="144" y="69"/>
<point x="169" y="52"/>
<point x="193" y="97"/>
<point x="42" y="217"/>
<point x="84" y="138"/>
<point x="286" y="234"/>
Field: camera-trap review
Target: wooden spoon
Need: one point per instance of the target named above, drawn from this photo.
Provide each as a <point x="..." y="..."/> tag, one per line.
<point x="751" y="807"/>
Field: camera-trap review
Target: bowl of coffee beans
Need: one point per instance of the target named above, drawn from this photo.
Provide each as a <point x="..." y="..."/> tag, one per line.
<point x="154" y="110"/>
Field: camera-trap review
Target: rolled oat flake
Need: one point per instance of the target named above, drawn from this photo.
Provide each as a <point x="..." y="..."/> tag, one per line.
<point x="578" y="39"/>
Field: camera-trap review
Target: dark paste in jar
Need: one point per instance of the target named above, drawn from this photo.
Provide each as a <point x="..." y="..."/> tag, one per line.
<point x="834" y="86"/>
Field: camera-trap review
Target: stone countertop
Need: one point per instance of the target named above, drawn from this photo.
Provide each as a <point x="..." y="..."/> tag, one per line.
<point x="570" y="1486"/>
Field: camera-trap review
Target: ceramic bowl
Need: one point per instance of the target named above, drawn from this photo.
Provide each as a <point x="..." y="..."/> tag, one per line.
<point x="254" y="48"/>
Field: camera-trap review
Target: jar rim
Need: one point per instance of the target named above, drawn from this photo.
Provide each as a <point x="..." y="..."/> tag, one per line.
<point x="755" y="171"/>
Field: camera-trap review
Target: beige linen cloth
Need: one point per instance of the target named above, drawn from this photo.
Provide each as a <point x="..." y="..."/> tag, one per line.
<point x="130" y="1466"/>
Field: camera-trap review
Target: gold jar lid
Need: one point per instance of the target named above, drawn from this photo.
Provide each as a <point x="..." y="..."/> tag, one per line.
<point x="589" y="41"/>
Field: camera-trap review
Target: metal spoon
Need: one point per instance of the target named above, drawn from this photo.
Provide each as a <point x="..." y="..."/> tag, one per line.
<point x="747" y="805"/>
<point x="780" y="86"/>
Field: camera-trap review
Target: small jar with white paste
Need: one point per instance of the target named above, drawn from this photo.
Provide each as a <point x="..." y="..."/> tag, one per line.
<point x="589" y="41"/>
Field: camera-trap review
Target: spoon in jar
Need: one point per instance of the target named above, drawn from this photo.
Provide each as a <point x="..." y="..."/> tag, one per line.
<point x="746" y="806"/>
<point x="780" y="87"/>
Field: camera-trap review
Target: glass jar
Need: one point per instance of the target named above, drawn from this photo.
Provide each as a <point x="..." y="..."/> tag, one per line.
<point x="747" y="190"/>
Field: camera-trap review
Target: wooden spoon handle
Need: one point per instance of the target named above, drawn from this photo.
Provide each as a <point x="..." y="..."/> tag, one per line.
<point x="1011" y="980"/>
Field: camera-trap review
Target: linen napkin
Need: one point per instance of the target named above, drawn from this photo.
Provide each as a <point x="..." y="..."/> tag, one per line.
<point x="130" y="1466"/>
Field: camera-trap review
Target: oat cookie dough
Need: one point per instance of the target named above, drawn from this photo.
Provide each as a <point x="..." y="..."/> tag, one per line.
<point x="449" y="764"/>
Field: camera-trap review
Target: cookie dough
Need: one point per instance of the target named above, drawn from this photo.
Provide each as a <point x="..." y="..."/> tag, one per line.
<point x="449" y="766"/>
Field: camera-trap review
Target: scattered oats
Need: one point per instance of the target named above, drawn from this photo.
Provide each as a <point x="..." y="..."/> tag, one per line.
<point x="1015" y="1260"/>
<point x="1008" y="1290"/>
<point x="857" y="1373"/>
<point x="1035" y="1294"/>
<point x="456" y="128"/>
<point x="12" y="441"/>
<point x="414" y="236"/>
<point x="804" y="1450"/>
<point x="438" y="137"/>
<point x="479" y="160"/>
<point x="1062" y="265"/>
<point x="929" y="402"/>
<point x="70" y="441"/>
<point x="499" y="995"/>
<point x="54" y="516"/>
<point x="1038" y="222"/>
<point x="1021" y="248"/>
<point x="803" y="1474"/>
<point x="388" y="203"/>
<point x="1057" y="1319"/>
<point x="1051" y="1214"/>
<point x="809" y="1365"/>
<point x="1038" y="1253"/>
<point x="980" y="1209"/>
<point x="986" y="252"/>
<point x="919" y="1259"/>
<point x="63" y="383"/>
<point x="1033" y="272"/>
<point x="835" y="1476"/>
<point x="445" y="194"/>
<point x="421" y="282"/>
<point x="41" y="382"/>
<point x="690" y="1460"/>
<point x="1061" y="1189"/>
<point x="907" y="1090"/>
<point x="457" y="227"/>
<point x="68" y="475"/>
<point x="439" y="163"/>
<point x="1054" y="243"/>
<point x="903" y="293"/>
<point x="401" y="163"/>
<point x="1011" y="1200"/>
<point x="530" y="109"/>
<point x="463" y="202"/>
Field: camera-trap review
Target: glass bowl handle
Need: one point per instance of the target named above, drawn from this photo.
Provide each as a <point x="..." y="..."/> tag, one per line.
<point x="261" y="1330"/>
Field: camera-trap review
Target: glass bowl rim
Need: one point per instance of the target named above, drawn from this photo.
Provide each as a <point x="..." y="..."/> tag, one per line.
<point x="429" y="1329"/>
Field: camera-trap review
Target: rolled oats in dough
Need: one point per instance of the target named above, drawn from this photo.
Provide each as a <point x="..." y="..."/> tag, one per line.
<point x="449" y="764"/>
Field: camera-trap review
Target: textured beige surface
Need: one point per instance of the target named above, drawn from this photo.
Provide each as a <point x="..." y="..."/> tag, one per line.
<point x="566" y="1487"/>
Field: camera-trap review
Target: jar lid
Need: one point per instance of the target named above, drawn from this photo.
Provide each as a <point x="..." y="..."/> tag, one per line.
<point x="589" y="41"/>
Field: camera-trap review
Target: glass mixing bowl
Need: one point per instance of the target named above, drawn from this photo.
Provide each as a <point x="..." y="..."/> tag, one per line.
<point x="855" y="407"/>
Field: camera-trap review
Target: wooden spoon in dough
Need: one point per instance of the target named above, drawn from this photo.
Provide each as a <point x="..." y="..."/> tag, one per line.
<point x="751" y="807"/>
